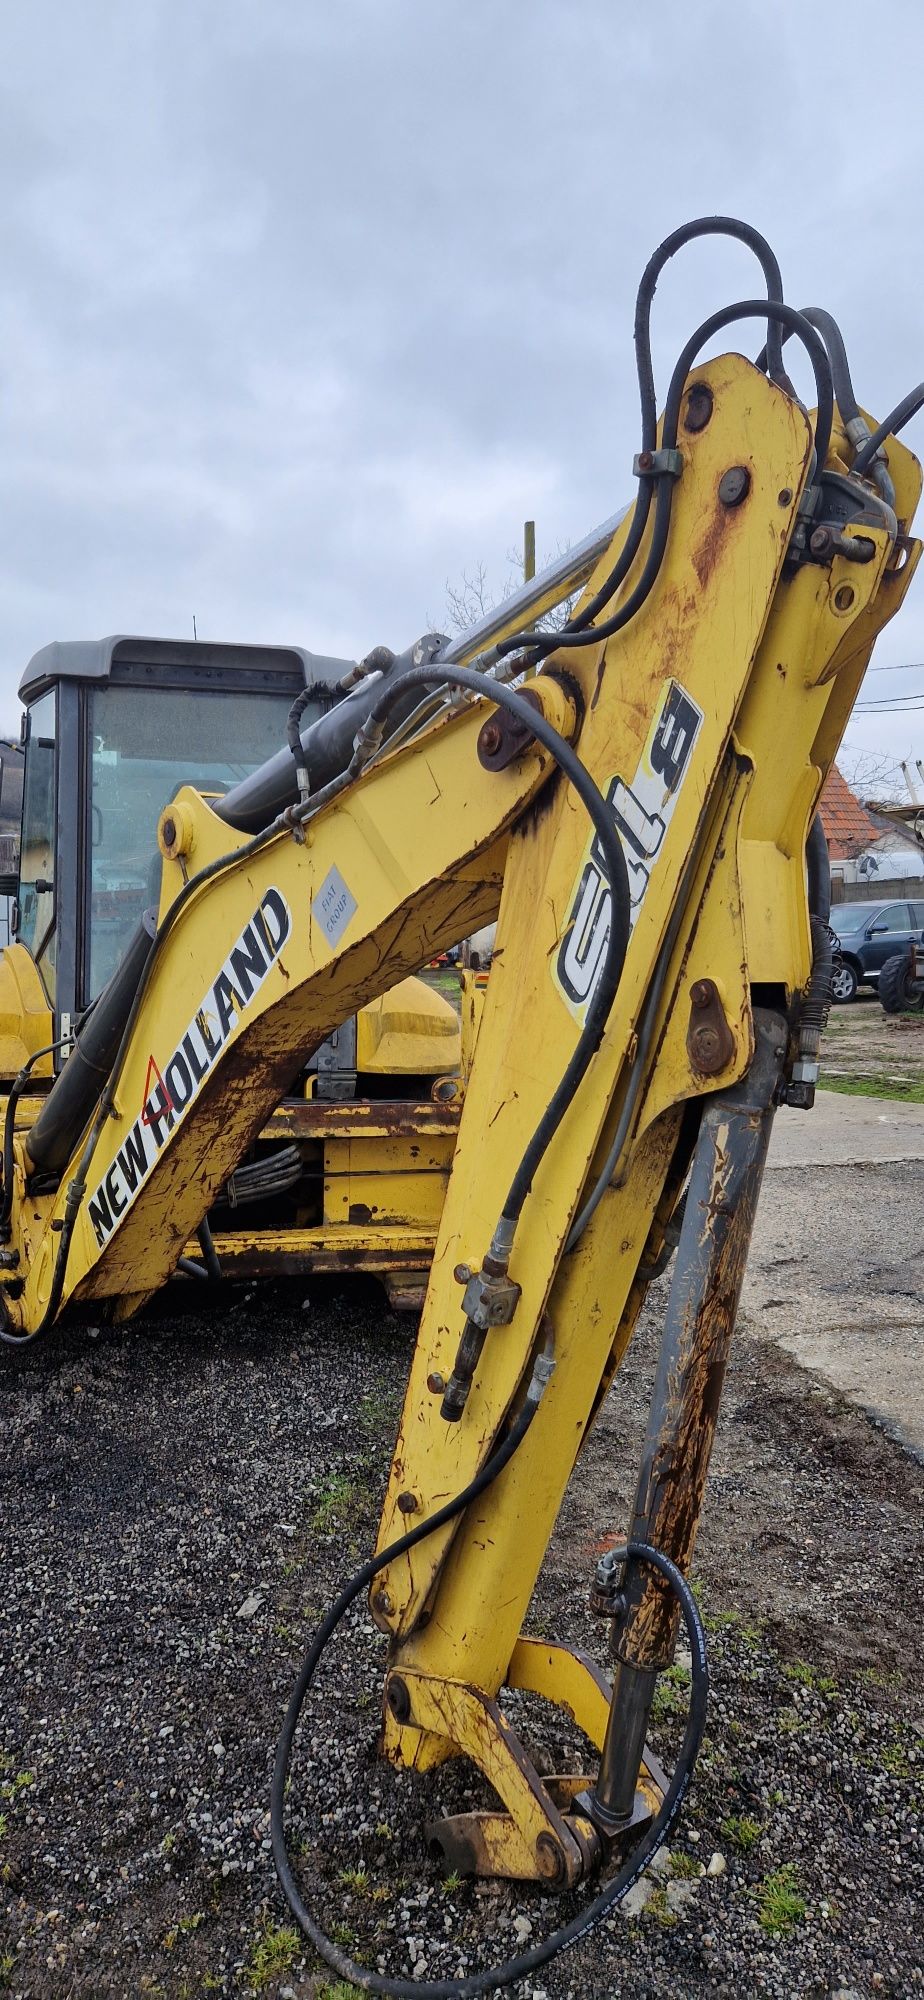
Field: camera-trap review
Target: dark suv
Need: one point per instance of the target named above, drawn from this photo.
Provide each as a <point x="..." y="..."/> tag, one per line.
<point x="869" y="934"/>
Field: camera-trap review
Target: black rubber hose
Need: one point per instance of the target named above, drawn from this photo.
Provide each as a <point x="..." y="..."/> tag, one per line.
<point x="890" y="426"/>
<point x="818" y="867"/>
<point x="15" y="1097"/>
<point x="293" y="732"/>
<point x="827" y="326"/>
<point x="543" y="643"/>
<point x="600" y="1907"/>
<point x="709" y="225"/>
<point x="614" y="867"/>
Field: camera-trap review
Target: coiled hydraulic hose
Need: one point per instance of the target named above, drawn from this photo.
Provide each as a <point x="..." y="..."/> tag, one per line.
<point x="602" y="1904"/>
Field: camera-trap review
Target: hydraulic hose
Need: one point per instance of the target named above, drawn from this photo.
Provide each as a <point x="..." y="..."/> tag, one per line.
<point x="602" y="1904"/>
<point x="541" y="644"/>
<point x="890" y="426"/>
<point x="851" y="415"/>
<point x="707" y="225"/>
<point x="615" y="870"/>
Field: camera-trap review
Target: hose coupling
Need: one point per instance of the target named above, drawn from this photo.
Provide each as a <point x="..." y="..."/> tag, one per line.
<point x="491" y="1295"/>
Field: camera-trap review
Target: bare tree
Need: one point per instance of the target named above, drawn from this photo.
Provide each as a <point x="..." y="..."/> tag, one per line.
<point x="872" y="774"/>
<point x="472" y="597"/>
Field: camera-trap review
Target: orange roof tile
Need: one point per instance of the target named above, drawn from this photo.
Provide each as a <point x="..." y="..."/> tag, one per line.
<point x="848" y="828"/>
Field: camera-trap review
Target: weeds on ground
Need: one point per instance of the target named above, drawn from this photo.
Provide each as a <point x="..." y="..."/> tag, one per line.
<point x="671" y="1695"/>
<point x="809" y="1677"/>
<point x="659" y="1909"/>
<point x="358" y="1883"/>
<point x="685" y="1866"/>
<point x="740" y="1831"/>
<point x="781" y="1907"/>
<point x="274" y="1953"/>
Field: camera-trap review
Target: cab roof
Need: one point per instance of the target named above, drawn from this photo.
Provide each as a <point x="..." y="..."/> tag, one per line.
<point x="124" y="657"/>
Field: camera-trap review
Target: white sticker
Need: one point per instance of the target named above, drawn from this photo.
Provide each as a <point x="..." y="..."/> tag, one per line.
<point x="333" y="906"/>
<point x="642" y="813"/>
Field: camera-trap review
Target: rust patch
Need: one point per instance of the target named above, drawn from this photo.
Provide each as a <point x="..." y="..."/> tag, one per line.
<point x="705" y="554"/>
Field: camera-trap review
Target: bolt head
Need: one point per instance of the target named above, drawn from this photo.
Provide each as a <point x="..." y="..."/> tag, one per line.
<point x="734" y="485"/>
<point x="436" y="1383"/>
<point x="408" y="1503"/>
<point x="699" y="407"/>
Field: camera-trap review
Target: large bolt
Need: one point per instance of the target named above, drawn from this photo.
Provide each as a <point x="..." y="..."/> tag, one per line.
<point x="383" y="1602"/>
<point x="549" y="1858"/>
<point x="169" y="832"/>
<point x="490" y="739"/>
<point x="399" y="1701"/>
<point x="734" y="485"/>
<point x="699" y="407"/>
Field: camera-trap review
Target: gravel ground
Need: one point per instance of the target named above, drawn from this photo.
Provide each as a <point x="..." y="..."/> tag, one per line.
<point x="183" y="1497"/>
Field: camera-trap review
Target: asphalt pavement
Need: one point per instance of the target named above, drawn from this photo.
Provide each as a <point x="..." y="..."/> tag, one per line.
<point x="835" y="1274"/>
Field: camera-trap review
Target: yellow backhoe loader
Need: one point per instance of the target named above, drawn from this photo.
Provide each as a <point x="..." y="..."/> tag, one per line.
<point x="633" y="800"/>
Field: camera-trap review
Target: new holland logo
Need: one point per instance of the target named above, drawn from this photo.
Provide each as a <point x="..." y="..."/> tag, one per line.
<point x="178" y="1084"/>
<point x="642" y="812"/>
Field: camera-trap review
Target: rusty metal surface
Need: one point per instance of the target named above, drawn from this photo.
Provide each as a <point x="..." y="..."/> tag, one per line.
<point x="710" y="1041"/>
<point x="388" y="1118"/>
<point x="725" y="1182"/>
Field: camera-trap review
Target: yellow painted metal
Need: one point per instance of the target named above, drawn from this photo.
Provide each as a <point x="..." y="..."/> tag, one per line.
<point x="775" y="672"/>
<point x="410" y="1030"/>
<point x="26" y="1019"/>
<point x="412" y="894"/>
<point x="701" y="629"/>
<point x="532" y="1840"/>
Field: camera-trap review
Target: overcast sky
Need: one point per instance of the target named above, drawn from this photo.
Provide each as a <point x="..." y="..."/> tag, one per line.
<point x="304" y="307"/>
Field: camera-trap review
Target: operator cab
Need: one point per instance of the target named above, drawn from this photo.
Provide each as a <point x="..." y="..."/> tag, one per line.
<point x="112" y="728"/>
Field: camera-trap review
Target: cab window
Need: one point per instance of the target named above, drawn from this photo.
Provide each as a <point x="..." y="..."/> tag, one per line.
<point x="36" y="928"/>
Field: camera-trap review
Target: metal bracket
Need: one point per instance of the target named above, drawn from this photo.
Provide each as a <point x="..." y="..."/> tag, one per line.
<point x="490" y="1298"/>
<point x="653" y="464"/>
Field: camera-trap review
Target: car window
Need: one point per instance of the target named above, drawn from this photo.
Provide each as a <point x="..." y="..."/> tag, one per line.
<point x="894" y="917"/>
<point x="849" y="916"/>
<point x="917" y="914"/>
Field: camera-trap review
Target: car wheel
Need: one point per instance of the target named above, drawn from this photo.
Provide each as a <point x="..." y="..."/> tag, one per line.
<point x="898" y="988"/>
<point x="844" y="982"/>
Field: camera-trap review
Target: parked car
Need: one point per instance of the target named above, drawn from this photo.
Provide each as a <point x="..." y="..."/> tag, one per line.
<point x="868" y="935"/>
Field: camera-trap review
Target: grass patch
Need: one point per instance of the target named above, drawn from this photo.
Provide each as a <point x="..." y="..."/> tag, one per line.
<point x="659" y="1909"/>
<point x="341" y="1504"/>
<point x="358" y="1883"/>
<point x="274" y="1953"/>
<point x="808" y="1677"/>
<point x="685" y="1866"/>
<point x="868" y="1086"/>
<point x="781" y="1905"/>
<point x="671" y="1695"/>
<point x="741" y="1831"/>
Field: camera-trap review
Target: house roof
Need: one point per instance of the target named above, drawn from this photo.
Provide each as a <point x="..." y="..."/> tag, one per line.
<point x="848" y="827"/>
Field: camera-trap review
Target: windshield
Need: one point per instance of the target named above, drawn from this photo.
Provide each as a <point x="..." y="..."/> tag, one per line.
<point x="851" y="916"/>
<point x="144" y="744"/>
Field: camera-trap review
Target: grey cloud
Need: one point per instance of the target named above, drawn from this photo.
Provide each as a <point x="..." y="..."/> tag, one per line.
<point x="304" y="308"/>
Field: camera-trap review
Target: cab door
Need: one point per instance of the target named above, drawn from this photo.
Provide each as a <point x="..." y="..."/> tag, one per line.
<point x="36" y="907"/>
<point x="889" y="932"/>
